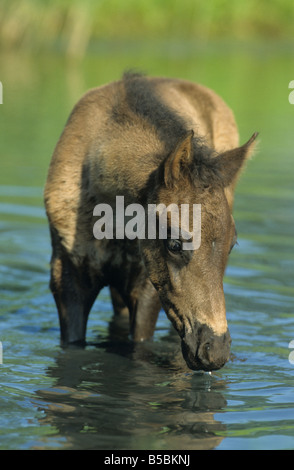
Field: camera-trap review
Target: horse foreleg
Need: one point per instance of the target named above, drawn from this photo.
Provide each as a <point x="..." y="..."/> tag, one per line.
<point x="74" y="289"/>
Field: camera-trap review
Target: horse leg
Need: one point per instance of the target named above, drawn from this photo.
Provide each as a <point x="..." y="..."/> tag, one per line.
<point x="144" y="309"/>
<point x="119" y="306"/>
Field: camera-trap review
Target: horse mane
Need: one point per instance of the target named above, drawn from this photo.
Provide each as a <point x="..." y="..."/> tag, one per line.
<point x="144" y="101"/>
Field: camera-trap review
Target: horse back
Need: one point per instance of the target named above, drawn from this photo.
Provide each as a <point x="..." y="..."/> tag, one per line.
<point x="117" y="135"/>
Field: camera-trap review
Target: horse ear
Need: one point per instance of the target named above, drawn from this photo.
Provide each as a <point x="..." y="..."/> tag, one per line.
<point x="232" y="161"/>
<point x="180" y="158"/>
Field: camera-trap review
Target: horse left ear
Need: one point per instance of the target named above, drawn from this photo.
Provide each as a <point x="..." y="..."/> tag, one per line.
<point x="180" y="158"/>
<point x="232" y="161"/>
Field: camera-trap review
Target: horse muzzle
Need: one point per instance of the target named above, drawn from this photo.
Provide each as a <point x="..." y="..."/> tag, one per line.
<point x="204" y="350"/>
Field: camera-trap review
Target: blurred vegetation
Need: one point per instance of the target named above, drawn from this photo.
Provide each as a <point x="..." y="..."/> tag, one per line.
<point x="72" y="25"/>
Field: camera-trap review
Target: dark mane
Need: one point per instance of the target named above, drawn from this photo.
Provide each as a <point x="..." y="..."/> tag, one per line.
<point x="143" y="101"/>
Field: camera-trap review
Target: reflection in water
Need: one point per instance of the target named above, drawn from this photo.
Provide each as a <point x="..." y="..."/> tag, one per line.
<point x="120" y="395"/>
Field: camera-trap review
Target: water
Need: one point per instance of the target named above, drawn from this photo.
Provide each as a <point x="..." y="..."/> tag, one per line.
<point x="114" y="394"/>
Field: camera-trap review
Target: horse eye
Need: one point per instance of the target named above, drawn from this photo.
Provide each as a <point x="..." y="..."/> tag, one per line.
<point x="174" y="245"/>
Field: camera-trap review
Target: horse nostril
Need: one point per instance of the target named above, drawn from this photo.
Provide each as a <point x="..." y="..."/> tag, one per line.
<point x="208" y="345"/>
<point x="206" y="348"/>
